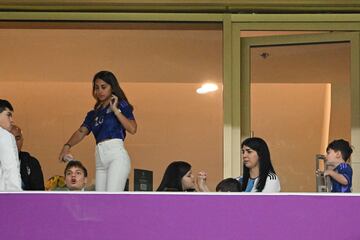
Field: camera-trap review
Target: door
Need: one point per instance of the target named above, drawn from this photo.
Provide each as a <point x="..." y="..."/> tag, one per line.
<point x="299" y="93"/>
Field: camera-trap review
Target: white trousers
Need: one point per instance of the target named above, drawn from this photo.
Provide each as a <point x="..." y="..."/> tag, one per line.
<point x="112" y="166"/>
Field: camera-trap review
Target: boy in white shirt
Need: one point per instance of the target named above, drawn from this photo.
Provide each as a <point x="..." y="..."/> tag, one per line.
<point x="10" y="179"/>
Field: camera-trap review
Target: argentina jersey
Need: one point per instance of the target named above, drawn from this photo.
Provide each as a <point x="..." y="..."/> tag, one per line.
<point x="345" y="170"/>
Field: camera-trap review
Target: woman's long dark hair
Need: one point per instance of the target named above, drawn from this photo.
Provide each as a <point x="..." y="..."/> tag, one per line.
<point x="110" y="79"/>
<point x="265" y="165"/>
<point x="171" y="180"/>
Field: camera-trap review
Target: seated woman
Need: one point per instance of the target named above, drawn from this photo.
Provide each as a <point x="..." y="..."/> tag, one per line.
<point x="178" y="177"/>
<point x="258" y="173"/>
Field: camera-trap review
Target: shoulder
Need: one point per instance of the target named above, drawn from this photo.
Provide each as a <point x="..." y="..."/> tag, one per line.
<point x="90" y="188"/>
<point x="272" y="183"/>
<point x="4" y="133"/>
<point x="343" y="167"/>
<point x="123" y="104"/>
<point x="6" y="136"/>
<point x="24" y="154"/>
<point x="60" y="189"/>
<point x="90" y="115"/>
<point x="91" y="112"/>
<point x="126" y="109"/>
<point x="272" y="177"/>
<point x="27" y="156"/>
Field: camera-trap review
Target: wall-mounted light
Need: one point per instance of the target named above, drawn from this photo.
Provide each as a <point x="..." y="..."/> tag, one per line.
<point x="206" y="88"/>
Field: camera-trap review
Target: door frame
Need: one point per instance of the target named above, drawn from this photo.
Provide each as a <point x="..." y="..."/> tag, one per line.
<point x="287" y="40"/>
<point x="240" y="87"/>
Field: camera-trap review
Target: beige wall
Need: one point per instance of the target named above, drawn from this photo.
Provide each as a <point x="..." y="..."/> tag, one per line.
<point x="316" y="63"/>
<point x="290" y="118"/>
<point x="46" y="74"/>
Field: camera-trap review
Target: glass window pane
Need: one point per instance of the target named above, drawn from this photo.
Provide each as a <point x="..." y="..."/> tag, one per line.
<point x="47" y="69"/>
<point x="300" y="100"/>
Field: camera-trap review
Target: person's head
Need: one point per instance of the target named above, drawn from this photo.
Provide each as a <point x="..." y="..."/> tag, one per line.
<point x="104" y="85"/>
<point x="228" y="185"/>
<point x="16" y="131"/>
<point x="6" y="112"/>
<point x="256" y="154"/>
<point x="177" y="177"/>
<point x="338" y="150"/>
<point x="75" y="175"/>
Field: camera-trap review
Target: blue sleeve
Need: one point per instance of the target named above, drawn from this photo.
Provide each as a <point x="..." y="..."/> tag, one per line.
<point x="346" y="171"/>
<point x="126" y="110"/>
<point x="88" y="120"/>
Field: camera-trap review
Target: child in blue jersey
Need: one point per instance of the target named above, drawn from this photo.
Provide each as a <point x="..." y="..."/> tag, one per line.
<point x="109" y="121"/>
<point x="340" y="172"/>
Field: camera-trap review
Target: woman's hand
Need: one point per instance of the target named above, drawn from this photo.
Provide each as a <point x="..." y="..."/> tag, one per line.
<point x="65" y="155"/>
<point x="129" y="125"/>
<point x="201" y="181"/>
<point x="114" y="103"/>
<point x="77" y="136"/>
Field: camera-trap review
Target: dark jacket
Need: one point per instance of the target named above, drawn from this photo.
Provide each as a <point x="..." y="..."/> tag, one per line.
<point x="31" y="173"/>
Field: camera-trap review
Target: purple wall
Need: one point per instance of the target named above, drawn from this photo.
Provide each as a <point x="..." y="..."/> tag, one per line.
<point x="150" y="216"/>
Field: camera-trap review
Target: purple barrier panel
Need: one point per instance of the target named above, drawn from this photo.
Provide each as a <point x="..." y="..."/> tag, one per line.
<point x="170" y="216"/>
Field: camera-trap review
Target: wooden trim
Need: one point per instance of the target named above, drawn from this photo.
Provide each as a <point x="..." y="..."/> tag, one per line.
<point x="227" y="104"/>
<point x="223" y="6"/>
<point x="355" y="110"/>
<point x="108" y="17"/>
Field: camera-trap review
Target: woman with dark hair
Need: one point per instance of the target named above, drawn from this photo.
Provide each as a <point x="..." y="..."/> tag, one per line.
<point x="109" y="121"/>
<point x="258" y="173"/>
<point x="178" y="177"/>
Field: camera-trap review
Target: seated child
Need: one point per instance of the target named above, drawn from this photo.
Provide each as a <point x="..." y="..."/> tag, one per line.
<point x="229" y="185"/>
<point x="178" y="177"/>
<point x="75" y="178"/>
<point x="338" y="153"/>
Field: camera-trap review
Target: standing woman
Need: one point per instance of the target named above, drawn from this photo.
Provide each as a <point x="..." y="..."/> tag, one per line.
<point x="258" y="173"/>
<point x="109" y="121"/>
